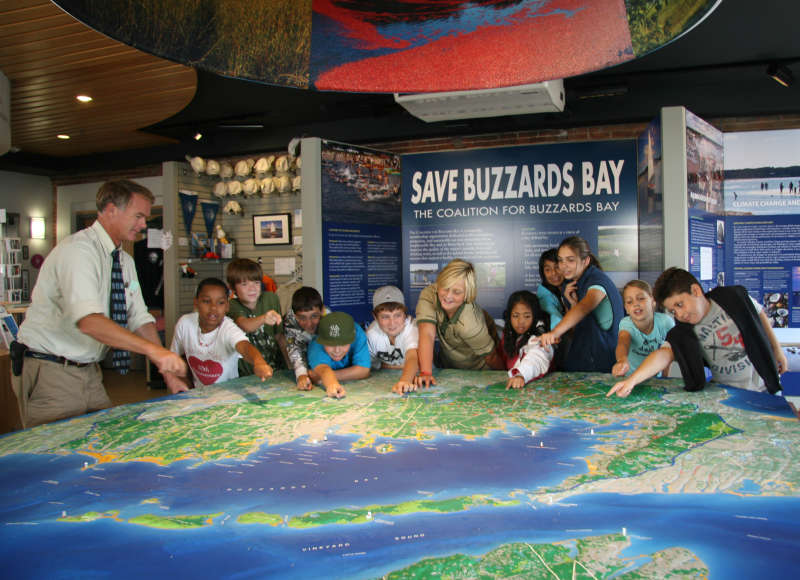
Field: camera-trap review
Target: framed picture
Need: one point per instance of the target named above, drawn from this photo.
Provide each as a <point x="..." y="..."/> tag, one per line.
<point x="272" y="229"/>
<point x="25" y="252"/>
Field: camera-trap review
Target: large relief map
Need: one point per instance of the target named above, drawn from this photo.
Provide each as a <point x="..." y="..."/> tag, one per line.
<point x="464" y="480"/>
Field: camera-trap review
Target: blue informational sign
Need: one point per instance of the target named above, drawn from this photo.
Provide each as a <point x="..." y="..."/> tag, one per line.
<point x="360" y="226"/>
<point x="707" y="250"/>
<point x="762" y="223"/>
<point x="501" y="208"/>
<point x="358" y="259"/>
<point x="762" y="257"/>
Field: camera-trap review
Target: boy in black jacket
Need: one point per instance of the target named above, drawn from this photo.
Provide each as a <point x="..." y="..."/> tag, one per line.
<point x="725" y="330"/>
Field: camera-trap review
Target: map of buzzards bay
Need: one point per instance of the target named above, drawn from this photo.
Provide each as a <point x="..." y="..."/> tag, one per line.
<point x="463" y="480"/>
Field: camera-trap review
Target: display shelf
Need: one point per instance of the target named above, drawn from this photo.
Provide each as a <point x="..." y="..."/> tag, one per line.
<point x="11" y="270"/>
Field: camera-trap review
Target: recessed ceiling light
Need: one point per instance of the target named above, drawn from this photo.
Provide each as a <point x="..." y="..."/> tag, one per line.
<point x="62" y="136"/>
<point x="84" y="98"/>
<point x="198" y="136"/>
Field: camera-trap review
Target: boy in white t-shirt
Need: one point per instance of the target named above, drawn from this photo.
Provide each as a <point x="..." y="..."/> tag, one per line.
<point x="392" y="337"/>
<point x="211" y="342"/>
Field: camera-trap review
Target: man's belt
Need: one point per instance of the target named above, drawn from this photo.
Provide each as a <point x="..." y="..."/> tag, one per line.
<point x="56" y="359"/>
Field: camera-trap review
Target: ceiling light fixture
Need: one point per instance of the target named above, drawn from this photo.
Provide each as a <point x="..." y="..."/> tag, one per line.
<point x="84" y="98"/>
<point x="781" y="74"/>
<point x="198" y="136"/>
<point x="63" y="136"/>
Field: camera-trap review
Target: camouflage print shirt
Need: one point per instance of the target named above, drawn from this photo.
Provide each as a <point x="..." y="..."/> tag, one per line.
<point x="297" y="341"/>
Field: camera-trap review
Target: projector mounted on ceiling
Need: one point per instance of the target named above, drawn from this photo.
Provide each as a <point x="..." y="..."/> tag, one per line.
<point x="545" y="97"/>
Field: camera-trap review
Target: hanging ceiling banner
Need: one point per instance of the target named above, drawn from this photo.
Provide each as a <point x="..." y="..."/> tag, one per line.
<point x="404" y="46"/>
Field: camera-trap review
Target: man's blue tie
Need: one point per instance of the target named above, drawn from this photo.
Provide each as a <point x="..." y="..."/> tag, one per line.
<point x="120" y="359"/>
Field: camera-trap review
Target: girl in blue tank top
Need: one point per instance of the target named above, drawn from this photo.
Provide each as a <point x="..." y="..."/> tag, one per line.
<point x="642" y="331"/>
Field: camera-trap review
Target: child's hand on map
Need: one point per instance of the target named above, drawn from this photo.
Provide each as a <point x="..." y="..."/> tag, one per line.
<point x="424" y="380"/>
<point x="516" y="382"/>
<point x="401" y="387"/>
<point x="622" y="388"/>
<point x="262" y="370"/>
<point x="272" y="318"/>
<point x="621" y="368"/>
<point x="304" y="383"/>
<point x="335" y="391"/>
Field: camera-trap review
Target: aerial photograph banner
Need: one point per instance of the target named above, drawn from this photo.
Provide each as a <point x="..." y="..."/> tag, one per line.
<point x="704" y="173"/>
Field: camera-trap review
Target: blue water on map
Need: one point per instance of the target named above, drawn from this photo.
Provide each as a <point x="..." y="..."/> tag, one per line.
<point x="285" y="479"/>
<point x="747" y="196"/>
<point x="758" y="402"/>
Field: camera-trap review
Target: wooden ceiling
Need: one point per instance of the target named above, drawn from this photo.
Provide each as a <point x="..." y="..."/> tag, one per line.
<point x="50" y="58"/>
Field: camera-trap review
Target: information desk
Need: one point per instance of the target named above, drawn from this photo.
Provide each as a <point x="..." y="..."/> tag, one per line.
<point x="251" y="480"/>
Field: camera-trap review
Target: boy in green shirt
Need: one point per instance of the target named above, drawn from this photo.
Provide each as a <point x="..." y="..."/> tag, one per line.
<point x="257" y="313"/>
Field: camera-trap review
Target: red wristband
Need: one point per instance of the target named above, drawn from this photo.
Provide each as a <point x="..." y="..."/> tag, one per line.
<point x="425" y="374"/>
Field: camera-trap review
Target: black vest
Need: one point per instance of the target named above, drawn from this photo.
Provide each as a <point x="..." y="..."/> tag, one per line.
<point x="735" y="301"/>
<point x="593" y="349"/>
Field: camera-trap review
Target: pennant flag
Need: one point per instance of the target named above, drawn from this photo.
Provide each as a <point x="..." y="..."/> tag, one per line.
<point x="210" y="210"/>
<point x="188" y="205"/>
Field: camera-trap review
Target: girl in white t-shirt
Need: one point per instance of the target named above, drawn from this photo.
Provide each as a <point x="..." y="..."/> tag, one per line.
<point x="211" y="342"/>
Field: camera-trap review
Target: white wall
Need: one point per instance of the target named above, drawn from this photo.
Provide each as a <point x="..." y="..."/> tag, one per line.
<point x="676" y="212"/>
<point x="29" y="196"/>
<point x="81" y="197"/>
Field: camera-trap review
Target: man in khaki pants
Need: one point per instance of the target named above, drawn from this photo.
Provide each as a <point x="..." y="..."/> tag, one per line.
<point x="68" y="329"/>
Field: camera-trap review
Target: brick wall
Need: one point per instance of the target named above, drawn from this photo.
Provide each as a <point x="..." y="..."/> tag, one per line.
<point x="593" y="133"/>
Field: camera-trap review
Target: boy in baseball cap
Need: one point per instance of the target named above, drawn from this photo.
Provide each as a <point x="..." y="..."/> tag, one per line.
<point x="339" y="353"/>
<point x="392" y="337"/>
